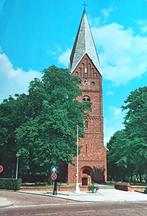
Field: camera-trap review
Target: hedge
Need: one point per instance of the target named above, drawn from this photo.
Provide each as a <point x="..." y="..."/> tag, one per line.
<point x="10" y="183"/>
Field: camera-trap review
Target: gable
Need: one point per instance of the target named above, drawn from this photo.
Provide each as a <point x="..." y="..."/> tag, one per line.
<point x="86" y="68"/>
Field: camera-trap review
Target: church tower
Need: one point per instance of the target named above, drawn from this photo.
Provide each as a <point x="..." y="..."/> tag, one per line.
<point x="84" y="62"/>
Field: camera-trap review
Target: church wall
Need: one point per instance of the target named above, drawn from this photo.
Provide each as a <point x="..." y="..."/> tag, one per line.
<point x="92" y="150"/>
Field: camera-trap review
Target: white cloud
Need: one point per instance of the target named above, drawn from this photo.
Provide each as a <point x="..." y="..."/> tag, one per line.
<point x="142" y="25"/>
<point x="110" y="93"/>
<point x="107" y="11"/>
<point x="116" y="112"/>
<point x="56" y="50"/>
<point x="95" y="21"/>
<point x="13" y="80"/>
<point x="122" y="53"/>
<point x="64" y="58"/>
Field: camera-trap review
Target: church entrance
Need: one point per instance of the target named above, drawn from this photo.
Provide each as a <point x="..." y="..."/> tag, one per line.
<point x="87" y="175"/>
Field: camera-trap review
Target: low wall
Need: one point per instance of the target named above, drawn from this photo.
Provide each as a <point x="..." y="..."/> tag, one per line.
<point x="50" y="188"/>
<point x="122" y="186"/>
<point x="137" y="188"/>
<point x="127" y="187"/>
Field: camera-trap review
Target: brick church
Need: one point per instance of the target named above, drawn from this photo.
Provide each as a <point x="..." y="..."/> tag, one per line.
<point x="84" y="62"/>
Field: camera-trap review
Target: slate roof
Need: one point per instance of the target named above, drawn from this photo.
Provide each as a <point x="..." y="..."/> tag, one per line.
<point x="84" y="44"/>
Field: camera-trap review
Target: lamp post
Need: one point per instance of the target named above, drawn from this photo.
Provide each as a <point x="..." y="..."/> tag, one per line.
<point x="77" y="173"/>
<point x="17" y="161"/>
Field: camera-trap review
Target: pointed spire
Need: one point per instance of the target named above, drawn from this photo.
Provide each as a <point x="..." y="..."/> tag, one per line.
<point x="84" y="44"/>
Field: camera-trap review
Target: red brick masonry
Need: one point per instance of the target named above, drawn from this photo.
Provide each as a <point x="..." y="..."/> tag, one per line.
<point x="92" y="158"/>
<point x="50" y="188"/>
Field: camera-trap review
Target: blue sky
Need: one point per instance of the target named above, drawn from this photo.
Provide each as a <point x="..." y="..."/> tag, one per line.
<point x="35" y="34"/>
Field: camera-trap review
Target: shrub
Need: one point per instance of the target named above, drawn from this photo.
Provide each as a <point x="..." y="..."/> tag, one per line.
<point x="93" y="188"/>
<point x="28" y="184"/>
<point x="35" y="184"/>
<point x="145" y="190"/>
<point x="40" y="183"/>
<point x="10" y="183"/>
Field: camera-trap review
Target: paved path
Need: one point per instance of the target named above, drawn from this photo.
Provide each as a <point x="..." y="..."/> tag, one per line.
<point x="103" y="195"/>
<point x="17" y="199"/>
<point x="4" y="202"/>
<point x="78" y="209"/>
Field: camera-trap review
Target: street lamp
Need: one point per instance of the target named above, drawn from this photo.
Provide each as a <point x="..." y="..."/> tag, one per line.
<point x="77" y="175"/>
<point x="17" y="161"/>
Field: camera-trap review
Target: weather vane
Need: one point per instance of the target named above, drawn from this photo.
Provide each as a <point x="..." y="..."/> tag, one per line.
<point x="84" y="5"/>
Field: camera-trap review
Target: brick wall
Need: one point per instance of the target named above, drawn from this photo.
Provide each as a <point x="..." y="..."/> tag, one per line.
<point x="92" y="153"/>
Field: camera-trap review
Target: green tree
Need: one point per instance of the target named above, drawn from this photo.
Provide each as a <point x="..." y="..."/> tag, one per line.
<point x="136" y="127"/>
<point x="127" y="154"/>
<point x="136" y="113"/>
<point x="118" y="156"/>
<point x="12" y="114"/>
<point x="42" y="124"/>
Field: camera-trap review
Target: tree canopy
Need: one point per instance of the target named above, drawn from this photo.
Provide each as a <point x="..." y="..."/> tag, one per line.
<point x="40" y="127"/>
<point x="127" y="155"/>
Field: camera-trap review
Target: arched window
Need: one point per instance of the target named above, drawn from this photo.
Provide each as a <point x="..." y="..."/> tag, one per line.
<point x="85" y="82"/>
<point x="86" y="98"/>
<point x="76" y="73"/>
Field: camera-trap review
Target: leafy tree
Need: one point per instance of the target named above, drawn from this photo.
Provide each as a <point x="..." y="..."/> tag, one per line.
<point x="136" y="127"/>
<point x="11" y="116"/>
<point x="118" y="156"/>
<point x="136" y="117"/>
<point x="127" y="154"/>
<point x="41" y="127"/>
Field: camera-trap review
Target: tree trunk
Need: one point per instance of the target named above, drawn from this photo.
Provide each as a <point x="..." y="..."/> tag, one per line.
<point x="140" y="178"/>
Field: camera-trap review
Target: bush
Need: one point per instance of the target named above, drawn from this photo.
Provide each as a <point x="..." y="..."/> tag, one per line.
<point x="40" y="183"/>
<point x="93" y="188"/>
<point x="36" y="184"/>
<point x="145" y="190"/>
<point x="28" y="184"/>
<point x="10" y="183"/>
